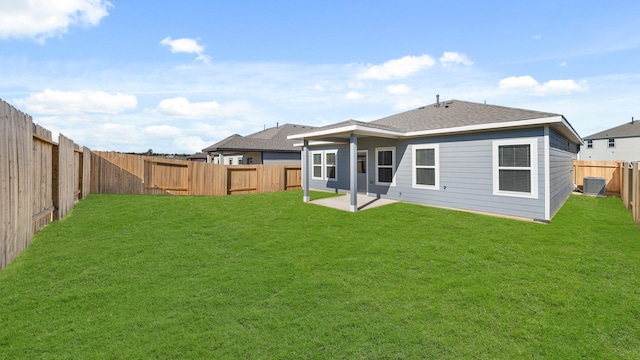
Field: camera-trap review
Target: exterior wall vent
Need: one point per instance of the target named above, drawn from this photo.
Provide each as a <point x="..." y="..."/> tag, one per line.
<point x="595" y="186"/>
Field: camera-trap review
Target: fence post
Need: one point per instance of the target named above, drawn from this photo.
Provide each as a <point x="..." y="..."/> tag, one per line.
<point x="636" y="193"/>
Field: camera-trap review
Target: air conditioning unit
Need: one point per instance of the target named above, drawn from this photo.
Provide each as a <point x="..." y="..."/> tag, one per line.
<point x="595" y="186"/>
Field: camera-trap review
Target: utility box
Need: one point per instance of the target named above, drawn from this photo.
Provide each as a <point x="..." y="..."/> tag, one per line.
<point x="596" y="186"/>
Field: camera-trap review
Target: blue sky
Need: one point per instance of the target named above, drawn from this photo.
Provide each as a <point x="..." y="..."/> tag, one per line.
<point x="176" y="77"/>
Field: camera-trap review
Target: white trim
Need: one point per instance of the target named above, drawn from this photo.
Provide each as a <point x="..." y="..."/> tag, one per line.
<point x="358" y="129"/>
<point x="325" y="165"/>
<point x="533" y="147"/>
<point x="313" y="165"/>
<point x="436" y="167"/>
<point x="393" y="165"/>
<point x="547" y="176"/>
<point x="372" y="131"/>
<point x="491" y="126"/>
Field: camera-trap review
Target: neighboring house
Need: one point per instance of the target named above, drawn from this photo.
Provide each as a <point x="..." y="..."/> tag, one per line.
<point x="269" y="146"/>
<point x="618" y="143"/>
<point x="453" y="154"/>
<point x="198" y="157"/>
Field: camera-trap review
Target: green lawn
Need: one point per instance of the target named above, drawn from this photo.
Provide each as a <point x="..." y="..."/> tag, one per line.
<point x="269" y="277"/>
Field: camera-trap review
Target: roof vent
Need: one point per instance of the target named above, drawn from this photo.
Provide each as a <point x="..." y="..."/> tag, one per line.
<point x="438" y="100"/>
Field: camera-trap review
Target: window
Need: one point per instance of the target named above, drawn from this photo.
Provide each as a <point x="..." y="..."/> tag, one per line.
<point x="515" y="167"/>
<point x="330" y="165"/>
<point x="612" y="142"/>
<point x="589" y="144"/>
<point x="230" y="161"/>
<point x="425" y="166"/>
<point x="385" y="166"/>
<point x="324" y="165"/>
<point x="316" y="165"/>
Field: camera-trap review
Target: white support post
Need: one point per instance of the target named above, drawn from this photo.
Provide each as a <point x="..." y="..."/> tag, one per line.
<point x="305" y="170"/>
<point x="353" y="172"/>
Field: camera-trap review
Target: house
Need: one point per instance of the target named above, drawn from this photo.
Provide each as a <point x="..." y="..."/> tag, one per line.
<point x="618" y="143"/>
<point x="453" y="154"/>
<point x="198" y="157"/>
<point x="269" y="146"/>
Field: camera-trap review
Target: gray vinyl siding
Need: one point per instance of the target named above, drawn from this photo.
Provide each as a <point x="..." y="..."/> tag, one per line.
<point x="557" y="141"/>
<point x="280" y="158"/>
<point x="466" y="173"/>
<point x="342" y="182"/>
<point x="560" y="170"/>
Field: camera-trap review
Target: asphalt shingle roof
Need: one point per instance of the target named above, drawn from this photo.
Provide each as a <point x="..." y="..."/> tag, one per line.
<point x="630" y="129"/>
<point x="272" y="139"/>
<point x="455" y="113"/>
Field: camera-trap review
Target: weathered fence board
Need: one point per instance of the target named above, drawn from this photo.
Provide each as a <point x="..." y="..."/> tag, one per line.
<point x="42" y="177"/>
<point x="16" y="190"/>
<point x="207" y="179"/>
<point x="114" y="173"/>
<point x="39" y="179"/>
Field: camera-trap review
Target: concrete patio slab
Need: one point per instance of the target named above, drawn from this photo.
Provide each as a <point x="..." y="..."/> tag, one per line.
<point x="342" y="202"/>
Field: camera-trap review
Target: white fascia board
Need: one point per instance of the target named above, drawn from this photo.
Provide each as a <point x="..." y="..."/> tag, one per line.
<point x="320" y="143"/>
<point x="491" y="126"/>
<point x="577" y="137"/>
<point x="365" y="130"/>
<point x="347" y="130"/>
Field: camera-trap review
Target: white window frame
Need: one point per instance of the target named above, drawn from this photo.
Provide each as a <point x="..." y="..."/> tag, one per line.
<point x="313" y="165"/>
<point x="611" y="143"/>
<point x="323" y="164"/>
<point x="589" y="144"/>
<point x="392" y="166"/>
<point x="436" y="166"/>
<point x="533" y="167"/>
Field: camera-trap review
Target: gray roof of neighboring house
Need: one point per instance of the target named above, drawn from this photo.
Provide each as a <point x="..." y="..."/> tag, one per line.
<point x="455" y="113"/>
<point x="630" y="129"/>
<point x="272" y="139"/>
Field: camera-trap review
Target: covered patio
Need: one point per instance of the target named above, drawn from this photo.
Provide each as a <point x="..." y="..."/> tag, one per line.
<point x="343" y="202"/>
<point x="344" y="132"/>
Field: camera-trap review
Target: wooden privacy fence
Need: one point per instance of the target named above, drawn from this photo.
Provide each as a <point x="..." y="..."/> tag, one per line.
<point x="630" y="190"/>
<point x="115" y="173"/>
<point x="40" y="180"/>
<point x="610" y="170"/>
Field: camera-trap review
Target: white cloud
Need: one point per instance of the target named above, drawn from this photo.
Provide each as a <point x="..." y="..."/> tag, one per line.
<point x="451" y="59"/>
<point x="353" y="95"/>
<point x="399" y="89"/>
<point x="162" y="131"/>
<point x="537" y="36"/>
<point x="397" y="68"/>
<point x="518" y="82"/>
<point x="189" y="144"/>
<point x="43" y="19"/>
<point x="563" y="64"/>
<point x="54" y="102"/>
<point x="186" y="45"/>
<point x="561" y="86"/>
<point x="181" y="107"/>
<point x="530" y="84"/>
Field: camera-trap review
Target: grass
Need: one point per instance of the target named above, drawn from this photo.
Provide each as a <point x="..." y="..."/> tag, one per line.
<point x="269" y="277"/>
